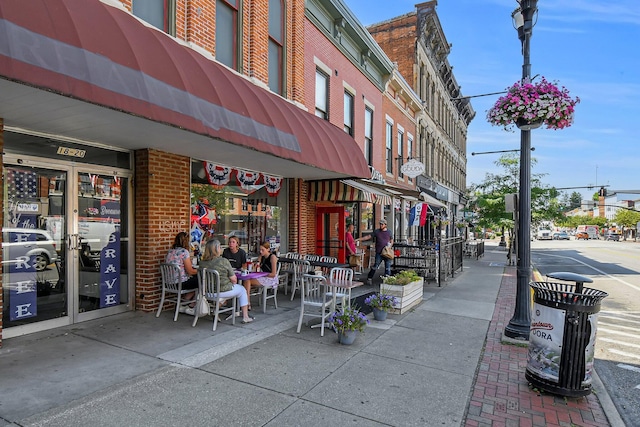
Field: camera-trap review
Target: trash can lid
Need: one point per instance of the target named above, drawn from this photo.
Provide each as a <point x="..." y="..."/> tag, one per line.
<point x="565" y="293"/>
<point x="571" y="277"/>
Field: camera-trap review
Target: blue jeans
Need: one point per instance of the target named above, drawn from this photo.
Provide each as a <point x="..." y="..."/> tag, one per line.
<point x="379" y="259"/>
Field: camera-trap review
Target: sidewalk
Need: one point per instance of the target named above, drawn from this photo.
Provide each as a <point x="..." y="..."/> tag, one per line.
<point x="429" y="367"/>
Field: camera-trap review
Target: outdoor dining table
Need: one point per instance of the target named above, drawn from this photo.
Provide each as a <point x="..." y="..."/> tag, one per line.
<point x="322" y="264"/>
<point x="333" y="285"/>
<point x="250" y="275"/>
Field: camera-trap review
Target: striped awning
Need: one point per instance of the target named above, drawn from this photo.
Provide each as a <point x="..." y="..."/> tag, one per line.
<point x="346" y="191"/>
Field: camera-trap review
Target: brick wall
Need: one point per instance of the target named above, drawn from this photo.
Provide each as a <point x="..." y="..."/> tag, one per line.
<point x="162" y="189"/>
<point x="397" y="39"/>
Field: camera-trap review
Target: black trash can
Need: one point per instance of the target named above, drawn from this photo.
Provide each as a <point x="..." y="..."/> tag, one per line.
<point x="563" y="334"/>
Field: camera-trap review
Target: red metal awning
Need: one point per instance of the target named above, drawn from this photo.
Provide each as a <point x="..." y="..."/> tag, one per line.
<point x="96" y="55"/>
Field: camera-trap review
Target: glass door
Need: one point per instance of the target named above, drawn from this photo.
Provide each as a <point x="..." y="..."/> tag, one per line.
<point x="33" y="245"/>
<point x="330" y="232"/>
<point x="101" y="241"/>
<point x="65" y="244"/>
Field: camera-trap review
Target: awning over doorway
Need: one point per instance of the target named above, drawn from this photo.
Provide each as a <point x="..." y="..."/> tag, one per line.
<point x="90" y="71"/>
<point x="395" y="191"/>
<point x="345" y="191"/>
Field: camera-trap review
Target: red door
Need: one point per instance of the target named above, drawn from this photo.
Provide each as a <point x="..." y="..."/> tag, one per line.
<point x="330" y="232"/>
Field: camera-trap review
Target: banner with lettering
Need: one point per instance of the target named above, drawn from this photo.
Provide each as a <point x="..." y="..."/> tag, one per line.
<point x="545" y="341"/>
<point x="110" y="272"/>
<point x="22" y="277"/>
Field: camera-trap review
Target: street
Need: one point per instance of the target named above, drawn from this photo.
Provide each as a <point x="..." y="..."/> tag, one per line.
<point x="614" y="268"/>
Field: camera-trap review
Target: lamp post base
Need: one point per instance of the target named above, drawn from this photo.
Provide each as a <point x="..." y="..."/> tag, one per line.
<point x="517" y="332"/>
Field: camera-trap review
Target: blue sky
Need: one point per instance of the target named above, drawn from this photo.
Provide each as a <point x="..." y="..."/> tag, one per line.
<point x="588" y="46"/>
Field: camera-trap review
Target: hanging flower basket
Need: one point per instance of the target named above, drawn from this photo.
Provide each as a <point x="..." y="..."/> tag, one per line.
<point x="530" y="105"/>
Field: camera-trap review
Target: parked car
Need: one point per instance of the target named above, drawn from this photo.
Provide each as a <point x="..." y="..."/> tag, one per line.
<point x="24" y="244"/>
<point x="582" y="235"/>
<point x="560" y="235"/>
<point x="612" y="236"/>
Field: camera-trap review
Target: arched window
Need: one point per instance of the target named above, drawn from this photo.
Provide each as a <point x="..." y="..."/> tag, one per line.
<point x="276" y="45"/>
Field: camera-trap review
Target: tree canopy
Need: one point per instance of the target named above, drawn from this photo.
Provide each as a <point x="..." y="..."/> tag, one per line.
<point x="488" y="197"/>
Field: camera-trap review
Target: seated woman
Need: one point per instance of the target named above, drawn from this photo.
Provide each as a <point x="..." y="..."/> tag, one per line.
<point x="179" y="255"/>
<point x="212" y="260"/>
<point x="267" y="262"/>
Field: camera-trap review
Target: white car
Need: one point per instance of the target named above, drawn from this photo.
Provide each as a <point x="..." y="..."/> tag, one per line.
<point x="28" y="245"/>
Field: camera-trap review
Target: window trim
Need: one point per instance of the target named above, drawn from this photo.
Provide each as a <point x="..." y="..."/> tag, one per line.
<point x="323" y="114"/>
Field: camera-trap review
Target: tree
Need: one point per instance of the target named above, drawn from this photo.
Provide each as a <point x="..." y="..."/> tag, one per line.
<point x="627" y="219"/>
<point x="575" y="200"/>
<point x="490" y="195"/>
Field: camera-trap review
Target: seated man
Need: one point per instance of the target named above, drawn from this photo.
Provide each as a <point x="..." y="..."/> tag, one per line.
<point x="237" y="257"/>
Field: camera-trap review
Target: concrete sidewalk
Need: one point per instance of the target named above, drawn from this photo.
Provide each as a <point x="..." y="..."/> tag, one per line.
<point x="429" y="367"/>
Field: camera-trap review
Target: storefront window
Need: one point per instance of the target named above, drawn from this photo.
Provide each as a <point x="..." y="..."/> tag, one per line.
<point x="236" y="204"/>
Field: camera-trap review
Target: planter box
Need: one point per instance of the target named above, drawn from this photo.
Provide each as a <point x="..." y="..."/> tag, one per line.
<point x="408" y="295"/>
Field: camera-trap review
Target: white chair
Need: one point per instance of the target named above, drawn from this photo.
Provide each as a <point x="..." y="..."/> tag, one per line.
<point x="285" y="278"/>
<point x="268" y="292"/>
<point x="314" y="300"/>
<point x="343" y="294"/>
<point x="172" y="288"/>
<point x="209" y="288"/>
<point x="300" y="267"/>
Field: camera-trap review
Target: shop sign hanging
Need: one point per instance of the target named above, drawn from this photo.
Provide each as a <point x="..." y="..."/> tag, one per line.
<point x="412" y="168"/>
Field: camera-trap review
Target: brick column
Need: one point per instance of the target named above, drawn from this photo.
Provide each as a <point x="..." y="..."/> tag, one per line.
<point x="162" y="209"/>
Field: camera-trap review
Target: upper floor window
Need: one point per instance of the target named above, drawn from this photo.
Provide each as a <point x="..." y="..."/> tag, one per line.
<point x="368" y="135"/>
<point x="348" y="113"/>
<point x="159" y="13"/>
<point x="409" y="148"/>
<point x="227" y="32"/>
<point x="322" y="95"/>
<point x="276" y="45"/>
<point x="400" y="150"/>
<point x="389" y="147"/>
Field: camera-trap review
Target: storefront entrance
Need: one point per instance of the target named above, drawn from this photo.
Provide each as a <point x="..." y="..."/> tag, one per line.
<point x="65" y="243"/>
<point x="330" y="232"/>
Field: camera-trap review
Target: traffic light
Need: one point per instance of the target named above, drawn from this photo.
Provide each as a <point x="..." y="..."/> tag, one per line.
<point x="602" y="192"/>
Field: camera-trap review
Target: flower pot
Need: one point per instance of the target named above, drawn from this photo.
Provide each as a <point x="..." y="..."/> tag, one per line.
<point x="408" y="296"/>
<point x="379" y="314"/>
<point x="347" y="337"/>
<point x="528" y="125"/>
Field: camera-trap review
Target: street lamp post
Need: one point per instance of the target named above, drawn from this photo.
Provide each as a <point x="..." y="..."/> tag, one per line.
<point x="519" y="325"/>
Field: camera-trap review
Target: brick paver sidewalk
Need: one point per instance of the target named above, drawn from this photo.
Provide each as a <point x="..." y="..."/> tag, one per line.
<point x="501" y="393"/>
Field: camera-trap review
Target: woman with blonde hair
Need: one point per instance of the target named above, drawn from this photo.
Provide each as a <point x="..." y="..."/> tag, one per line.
<point x="212" y="260"/>
<point x="267" y="262"/>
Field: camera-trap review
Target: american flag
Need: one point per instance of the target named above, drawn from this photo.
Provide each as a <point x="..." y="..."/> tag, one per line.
<point x="22" y="184"/>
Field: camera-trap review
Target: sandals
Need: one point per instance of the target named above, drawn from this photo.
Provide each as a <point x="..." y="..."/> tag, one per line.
<point x="249" y="320"/>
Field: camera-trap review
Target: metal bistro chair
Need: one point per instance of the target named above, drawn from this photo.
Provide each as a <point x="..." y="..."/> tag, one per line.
<point x="300" y="267"/>
<point x="172" y="288"/>
<point x="343" y="294"/>
<point x="314" y="300"/>
<point x="209" y="287"/>
<point x="325" y="270"/>
<point x="268" y="292"/>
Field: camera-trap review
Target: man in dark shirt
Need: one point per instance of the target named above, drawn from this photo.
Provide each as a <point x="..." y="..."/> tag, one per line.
<point x="382" y="237"/>
<point x="236" y="256"/>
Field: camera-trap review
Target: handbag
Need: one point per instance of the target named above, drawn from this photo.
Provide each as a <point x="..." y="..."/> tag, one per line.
<point x="387" y="252"/>
<point x="204" y="307"/>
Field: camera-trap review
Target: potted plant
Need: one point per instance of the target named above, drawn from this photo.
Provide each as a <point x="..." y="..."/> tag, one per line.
<point x="406" y="286"/>
<point x="348" y="322"/>
<point x="529" y="105"/>
<point x="381" y="304"/>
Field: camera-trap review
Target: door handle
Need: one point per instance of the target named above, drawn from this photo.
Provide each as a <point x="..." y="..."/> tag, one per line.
<point x="73" y="241"/>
